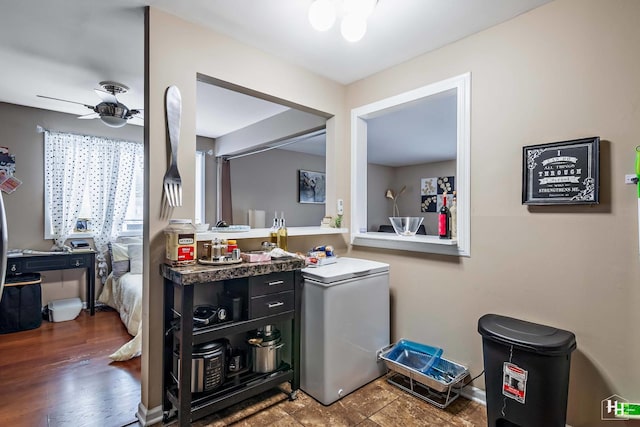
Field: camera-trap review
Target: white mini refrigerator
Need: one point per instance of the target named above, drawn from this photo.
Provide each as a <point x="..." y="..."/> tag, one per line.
<point x="345" y="322"/>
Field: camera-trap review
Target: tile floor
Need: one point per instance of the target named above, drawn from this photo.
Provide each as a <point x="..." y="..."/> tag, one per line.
<point x="376" y="404"/>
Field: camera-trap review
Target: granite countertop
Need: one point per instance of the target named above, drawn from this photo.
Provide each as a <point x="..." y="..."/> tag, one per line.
<point x="199" y="273"/>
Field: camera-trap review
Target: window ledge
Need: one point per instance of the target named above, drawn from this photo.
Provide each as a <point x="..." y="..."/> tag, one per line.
<point x="257" y="233"/>
<point x="417" y="243"/>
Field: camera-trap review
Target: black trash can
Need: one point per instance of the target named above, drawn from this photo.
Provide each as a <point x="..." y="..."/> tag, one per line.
<point x="526" y="372"/>
<point x="21" y="306"/>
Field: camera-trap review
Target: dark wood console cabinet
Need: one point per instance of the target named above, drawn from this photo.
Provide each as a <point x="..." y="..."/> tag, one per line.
<point x="271" y="294"/>
<point x="35" y="263"/>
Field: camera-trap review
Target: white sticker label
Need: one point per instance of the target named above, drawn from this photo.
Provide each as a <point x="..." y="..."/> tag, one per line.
<point x="515" y="382"/>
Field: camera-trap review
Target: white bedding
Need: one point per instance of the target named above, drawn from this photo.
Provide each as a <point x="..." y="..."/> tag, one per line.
<point x="125" y="295"/>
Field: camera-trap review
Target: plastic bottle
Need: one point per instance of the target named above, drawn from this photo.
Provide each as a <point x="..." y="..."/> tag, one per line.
<point x="282" y="234"/>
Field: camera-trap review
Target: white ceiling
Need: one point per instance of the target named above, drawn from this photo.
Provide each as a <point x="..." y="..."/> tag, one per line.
<point x="399" y="138"/>
<point x="64" y="48"/>
<point x="221" y="111"/>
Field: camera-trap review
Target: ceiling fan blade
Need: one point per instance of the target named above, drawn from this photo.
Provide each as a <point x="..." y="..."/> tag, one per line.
<point x="65" y="100"/>
<point x="106" y="96"/>
<point x="90" y="116"/>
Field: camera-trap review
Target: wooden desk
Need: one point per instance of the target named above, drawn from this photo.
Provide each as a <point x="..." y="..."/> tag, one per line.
<point x="35" y="263"/>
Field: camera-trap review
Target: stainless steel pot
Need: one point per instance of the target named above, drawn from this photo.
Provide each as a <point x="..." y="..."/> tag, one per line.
<point x="266" y="350"/>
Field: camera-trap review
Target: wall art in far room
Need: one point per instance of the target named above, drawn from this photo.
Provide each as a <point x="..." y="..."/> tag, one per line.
<point x="432" y="190"/>
<point x="311" y="187"/>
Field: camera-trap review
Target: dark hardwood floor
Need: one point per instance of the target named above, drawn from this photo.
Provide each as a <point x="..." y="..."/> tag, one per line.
<point x="60" y="375"/>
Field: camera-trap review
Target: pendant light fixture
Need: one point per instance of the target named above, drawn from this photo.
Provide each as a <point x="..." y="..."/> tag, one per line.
<point x="353" y="13"/>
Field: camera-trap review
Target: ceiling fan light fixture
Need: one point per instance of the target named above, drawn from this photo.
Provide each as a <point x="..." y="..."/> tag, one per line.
<point x="110" y="111"/>
<point x="113" y="121"/>
<point x="354" y="13"/>
<point x="353" y="27"/>
<point x="322" y="14"/>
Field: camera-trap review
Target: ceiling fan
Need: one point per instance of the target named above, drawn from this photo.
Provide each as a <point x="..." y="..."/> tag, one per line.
<point x="110" y="111"/>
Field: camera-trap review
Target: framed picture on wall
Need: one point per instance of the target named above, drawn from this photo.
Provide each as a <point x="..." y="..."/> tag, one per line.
<point x="561" y="173"/>
<point x="311" y="187"/>
<point x="83" y="225"/>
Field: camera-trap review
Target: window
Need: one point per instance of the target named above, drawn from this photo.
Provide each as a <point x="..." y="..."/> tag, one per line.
<point x="360" y="234"/>
<point x="93" y="187"/>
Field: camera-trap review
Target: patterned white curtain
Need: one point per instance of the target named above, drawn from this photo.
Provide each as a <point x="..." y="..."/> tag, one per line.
<point x="104" y="167"/>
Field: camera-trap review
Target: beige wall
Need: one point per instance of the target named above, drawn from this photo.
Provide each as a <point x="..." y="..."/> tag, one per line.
<point x="177" y="52"/>
<point x="25" y="206"/>
<point x="566" y="70"/>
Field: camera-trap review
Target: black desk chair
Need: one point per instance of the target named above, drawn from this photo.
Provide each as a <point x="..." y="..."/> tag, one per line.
<point x="389" y="229"/>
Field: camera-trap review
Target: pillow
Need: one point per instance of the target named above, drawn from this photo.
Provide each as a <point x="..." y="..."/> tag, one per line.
<point x="119" y="259"/>
<point x="135" y="257"/>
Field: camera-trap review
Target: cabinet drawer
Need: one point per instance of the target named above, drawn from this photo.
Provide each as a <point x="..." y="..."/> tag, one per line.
<point x="267" y="305"/>
<point x="270" y="283"/>
<point x="78" y="261"/>
<point x="46" y="263"/>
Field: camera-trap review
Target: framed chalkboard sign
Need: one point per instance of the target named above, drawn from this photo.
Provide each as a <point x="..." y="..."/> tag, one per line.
<point x="561" y="173"/>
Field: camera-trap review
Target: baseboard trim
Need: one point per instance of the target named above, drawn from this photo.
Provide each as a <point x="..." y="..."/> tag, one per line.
<point x="478" y="395"/>
<point x="149" y="417"/>
<point x="474" y="393"/>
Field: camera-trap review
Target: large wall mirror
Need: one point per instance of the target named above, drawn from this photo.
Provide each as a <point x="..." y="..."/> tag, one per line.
<point x="407" y="150"/>
<point x="265" y="142"/>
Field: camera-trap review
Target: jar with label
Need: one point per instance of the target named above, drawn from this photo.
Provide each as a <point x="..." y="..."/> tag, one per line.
<point x="180" y="246"/>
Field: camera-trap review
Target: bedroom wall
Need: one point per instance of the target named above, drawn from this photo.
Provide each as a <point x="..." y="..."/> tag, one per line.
<point x="566" y="70"/>
<point x="380" y="178"/>
<point x="379" y="208"/>
<point x="269" y="181"/>
<point x="25" y="206"/>
<point x="409" y="203"/>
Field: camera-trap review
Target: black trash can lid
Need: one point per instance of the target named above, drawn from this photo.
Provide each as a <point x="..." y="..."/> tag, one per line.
<point x="526" y="335"/>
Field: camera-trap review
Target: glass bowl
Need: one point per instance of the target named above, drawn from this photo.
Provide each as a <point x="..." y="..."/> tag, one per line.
<point x="406" y="225"/>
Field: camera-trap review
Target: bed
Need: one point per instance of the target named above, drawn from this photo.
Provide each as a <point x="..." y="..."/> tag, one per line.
<point x="123" y="292"/>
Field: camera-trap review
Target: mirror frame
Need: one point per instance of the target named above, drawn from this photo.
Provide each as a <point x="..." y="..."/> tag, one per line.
<point x="428" y="244"/>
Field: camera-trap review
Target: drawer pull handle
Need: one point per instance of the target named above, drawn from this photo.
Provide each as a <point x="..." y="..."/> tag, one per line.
<point x="277" y="282"/>
<point x="77" y="263"/>
<point x="275" y="304"/>
<point x="13" y="267"/>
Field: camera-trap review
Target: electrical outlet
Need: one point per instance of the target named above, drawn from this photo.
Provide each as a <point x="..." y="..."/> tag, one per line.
<point x="630" y="179"/>
<point x="340" y="207"/>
